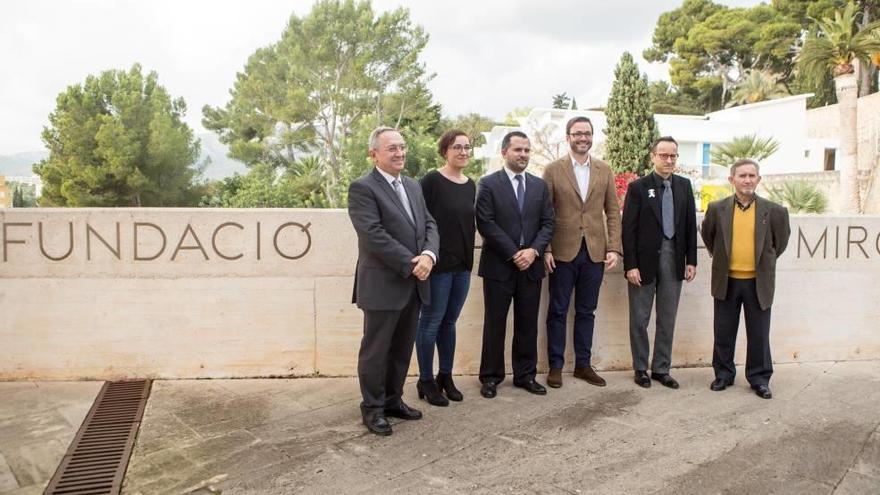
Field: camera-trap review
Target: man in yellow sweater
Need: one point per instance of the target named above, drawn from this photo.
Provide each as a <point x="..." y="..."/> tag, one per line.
<point x="744" y="235"/>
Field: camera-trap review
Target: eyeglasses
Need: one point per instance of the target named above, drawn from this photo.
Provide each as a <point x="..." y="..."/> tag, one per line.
<point x="458" y="148"/>
<point x="667" y="156"/>
<point x="394" y="148"/>
<point x="578" y="135"/>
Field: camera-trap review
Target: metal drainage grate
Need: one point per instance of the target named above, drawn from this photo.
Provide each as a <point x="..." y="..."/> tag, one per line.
<point x="97" y="458"/>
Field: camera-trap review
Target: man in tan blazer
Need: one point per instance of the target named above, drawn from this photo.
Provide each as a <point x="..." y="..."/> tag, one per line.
<point x="586" y="242"/>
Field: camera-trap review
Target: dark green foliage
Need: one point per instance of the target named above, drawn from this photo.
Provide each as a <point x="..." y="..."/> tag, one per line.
<point x="710" y="46"/>
<point x="631" y="127"/>
<point x="336" y="71"/>
<point x="119" y="139"/>
<point x="667" y="100"/>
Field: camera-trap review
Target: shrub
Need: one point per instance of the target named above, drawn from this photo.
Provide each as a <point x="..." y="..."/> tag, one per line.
<point x="799" y="196"/>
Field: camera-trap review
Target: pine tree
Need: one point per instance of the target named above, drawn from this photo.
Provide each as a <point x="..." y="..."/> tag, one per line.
<point x="119" y="139"/>
<point x="631" y="127"/>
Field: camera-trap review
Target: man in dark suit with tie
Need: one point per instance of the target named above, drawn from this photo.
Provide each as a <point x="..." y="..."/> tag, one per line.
<point x="397" y="246"/>
<point x="515" y="218"/>
<point x="659" y="236"/>
<point x="744" y="234"/>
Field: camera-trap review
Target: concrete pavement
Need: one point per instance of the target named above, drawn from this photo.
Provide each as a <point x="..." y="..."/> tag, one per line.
<point x="38" y="420"/>
<point x="820" y="434"/>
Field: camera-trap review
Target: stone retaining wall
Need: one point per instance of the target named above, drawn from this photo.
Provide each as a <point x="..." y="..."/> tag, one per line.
<point x="199" y="293"/>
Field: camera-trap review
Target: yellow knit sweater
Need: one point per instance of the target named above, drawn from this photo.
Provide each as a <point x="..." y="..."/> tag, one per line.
<point x="742" y="248"/>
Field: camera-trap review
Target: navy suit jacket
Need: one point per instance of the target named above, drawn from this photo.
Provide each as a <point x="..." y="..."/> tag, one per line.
<point x="500" y="223"/>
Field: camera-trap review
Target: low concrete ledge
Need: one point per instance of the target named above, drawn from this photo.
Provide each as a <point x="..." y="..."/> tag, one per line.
<point x="209" y="293"/>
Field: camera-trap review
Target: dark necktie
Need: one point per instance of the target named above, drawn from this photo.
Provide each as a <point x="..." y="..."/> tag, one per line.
<point x="668" y="210"/>
<point x="520" y="191"/>
<point x="520" y="199"/>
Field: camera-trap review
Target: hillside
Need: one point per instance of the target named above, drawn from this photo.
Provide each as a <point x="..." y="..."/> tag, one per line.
<point x="20" y="164"/>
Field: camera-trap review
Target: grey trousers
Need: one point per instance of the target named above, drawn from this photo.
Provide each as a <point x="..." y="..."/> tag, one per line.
<point x="386" y="351"/>
<point x="667" y="288"/>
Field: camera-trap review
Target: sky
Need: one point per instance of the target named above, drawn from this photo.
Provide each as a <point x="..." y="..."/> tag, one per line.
<point x="489" y="56"/>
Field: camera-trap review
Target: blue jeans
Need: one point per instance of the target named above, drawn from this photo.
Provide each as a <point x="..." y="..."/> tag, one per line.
<point x="437" y="322"/>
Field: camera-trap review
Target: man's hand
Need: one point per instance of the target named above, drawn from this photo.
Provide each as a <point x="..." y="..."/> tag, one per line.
<point x="524" y="258"/>
<point x="422" y="266"/>
<point x="611" y="260"/>
<point x="549" y="262"/>
<point x="690" y="272"/>
<point x="634" y="277"/>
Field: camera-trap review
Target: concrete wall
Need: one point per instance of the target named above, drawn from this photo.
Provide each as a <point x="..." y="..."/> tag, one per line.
<point x="827" y="182"/>
<point x="259" y="292"/>
<point x="824" y="123"/>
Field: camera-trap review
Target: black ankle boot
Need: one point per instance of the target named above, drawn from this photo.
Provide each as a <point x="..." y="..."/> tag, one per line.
<point x="444" y="381"/>
<point x="430" y="392"/>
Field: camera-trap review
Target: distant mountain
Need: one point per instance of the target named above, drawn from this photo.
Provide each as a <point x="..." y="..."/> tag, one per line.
<point x="221" y="165"/>
<point x="20" y="164"/>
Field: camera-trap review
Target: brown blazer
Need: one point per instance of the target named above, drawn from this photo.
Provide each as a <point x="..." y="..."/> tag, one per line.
<point x="597" y="219"/>
<point x="771" y="237"/>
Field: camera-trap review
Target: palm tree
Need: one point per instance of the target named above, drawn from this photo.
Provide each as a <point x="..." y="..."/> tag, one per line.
<point x="838" y="44"/>
<point x="755" y="86"/>
<point x="561" y="101"/>
<point x="799" y="196"/>
<point x="749" y="146"/>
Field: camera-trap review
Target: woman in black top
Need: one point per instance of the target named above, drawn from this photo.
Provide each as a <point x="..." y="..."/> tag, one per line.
<point x="450" y="197"/>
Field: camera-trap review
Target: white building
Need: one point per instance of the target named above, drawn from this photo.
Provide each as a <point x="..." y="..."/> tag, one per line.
<point x="33" y="180"/>
<point x="783" y="119"/>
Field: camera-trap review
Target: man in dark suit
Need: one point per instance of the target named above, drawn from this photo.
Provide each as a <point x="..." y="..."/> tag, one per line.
<point x="659" y="251"/>
<point x="515" y="218"/>
<point x="744" y="234"/>
<point x="397" y="246"/>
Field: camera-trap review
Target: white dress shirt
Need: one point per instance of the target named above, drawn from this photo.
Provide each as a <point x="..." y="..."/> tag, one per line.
<point x="512" y="177"/>
<point x="582" y="174"/>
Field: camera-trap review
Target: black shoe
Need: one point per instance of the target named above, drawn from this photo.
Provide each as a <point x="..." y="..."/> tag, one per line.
<point x="445" y="383"/>
<point x="641" y="379"/>
<point x="488" y="390"/>
<point x="762" y="391"/>
<point x="376" y="423"/>
<point x="665" y="380"/>
<point x="533" y="387"/>
<point x="403" y="411"/>
<point x="430" y="392"/>
<point x="720" y="384"/>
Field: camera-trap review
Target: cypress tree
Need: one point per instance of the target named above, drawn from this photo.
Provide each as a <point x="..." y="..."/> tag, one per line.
<point x="631" y="127"/>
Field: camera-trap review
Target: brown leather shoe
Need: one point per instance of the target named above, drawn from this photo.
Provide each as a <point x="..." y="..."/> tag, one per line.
<point x="589" y="375"/>
<point x="554" y="378"/>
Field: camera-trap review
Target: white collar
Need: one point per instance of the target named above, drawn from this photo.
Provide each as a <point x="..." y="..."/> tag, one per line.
<point x="511" y="173"/>
<point x="390" y="178"/>
<point x="575" y="162"/>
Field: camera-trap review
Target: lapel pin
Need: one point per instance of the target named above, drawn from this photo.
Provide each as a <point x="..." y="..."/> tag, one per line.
<point x="651" y="193"/>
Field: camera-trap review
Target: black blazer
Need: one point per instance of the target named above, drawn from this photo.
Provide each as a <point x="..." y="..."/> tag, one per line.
<point x="388" y="241"/>
<point x="642" y="230"/>
<point x="500" y="223"/>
